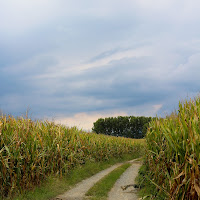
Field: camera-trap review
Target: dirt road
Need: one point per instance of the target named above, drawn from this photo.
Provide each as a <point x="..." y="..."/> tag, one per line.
<point x="78" y="192"/>
<point x="127" y="178"/>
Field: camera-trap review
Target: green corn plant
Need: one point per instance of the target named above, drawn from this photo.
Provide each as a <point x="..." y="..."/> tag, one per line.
<point x="32" y="150"/>
<point x="173" y="154"/>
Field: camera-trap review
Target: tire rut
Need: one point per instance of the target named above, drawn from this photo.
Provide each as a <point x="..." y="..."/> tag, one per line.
<point x="79" y="190"/>
<point x="127" y="178"/>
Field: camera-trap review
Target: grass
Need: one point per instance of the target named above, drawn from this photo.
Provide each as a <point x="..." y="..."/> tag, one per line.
<point x="101" y="188"/>
<point x="54" y="185"/>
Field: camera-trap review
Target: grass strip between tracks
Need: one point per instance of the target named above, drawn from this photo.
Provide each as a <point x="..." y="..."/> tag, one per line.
<point x="101" y="189"/>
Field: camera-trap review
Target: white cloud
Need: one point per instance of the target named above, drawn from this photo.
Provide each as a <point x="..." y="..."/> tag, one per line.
<point x="157" y="107"/>
<point x="63" y="69"/>
<point x="179" y="11"/>
<point x="188" y="71"/>
<point x="21" y="16"/>
<point x="154" y="54"/>
<point x="84" y="120"/>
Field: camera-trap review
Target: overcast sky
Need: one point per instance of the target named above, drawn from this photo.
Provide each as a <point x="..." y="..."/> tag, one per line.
<point x="75" y="61"/>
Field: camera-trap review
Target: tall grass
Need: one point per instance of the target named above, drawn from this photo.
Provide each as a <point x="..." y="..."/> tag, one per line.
<point x="173" y="157"/>
<point x="30" y="151"/>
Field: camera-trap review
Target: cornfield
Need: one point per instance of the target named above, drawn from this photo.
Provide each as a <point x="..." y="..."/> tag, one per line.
<point x="32" y="150"/>
<point x="173" y="155"/>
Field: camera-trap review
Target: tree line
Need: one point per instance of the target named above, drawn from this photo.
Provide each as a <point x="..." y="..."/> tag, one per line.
<point x="128" y="126"/>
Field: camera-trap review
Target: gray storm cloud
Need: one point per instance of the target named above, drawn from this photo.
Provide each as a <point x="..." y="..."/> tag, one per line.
<point x="71" y="59"/>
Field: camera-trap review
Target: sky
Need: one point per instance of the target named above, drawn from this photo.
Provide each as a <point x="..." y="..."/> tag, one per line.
<point x="74" y="61"/>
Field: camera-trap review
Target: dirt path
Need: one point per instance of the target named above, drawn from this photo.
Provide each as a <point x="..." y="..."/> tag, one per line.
<point x="78" y="192"/>
<point x="127" y="178"/>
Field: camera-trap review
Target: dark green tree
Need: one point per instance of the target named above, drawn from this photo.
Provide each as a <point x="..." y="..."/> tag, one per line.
<point x="132" y="127"/>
